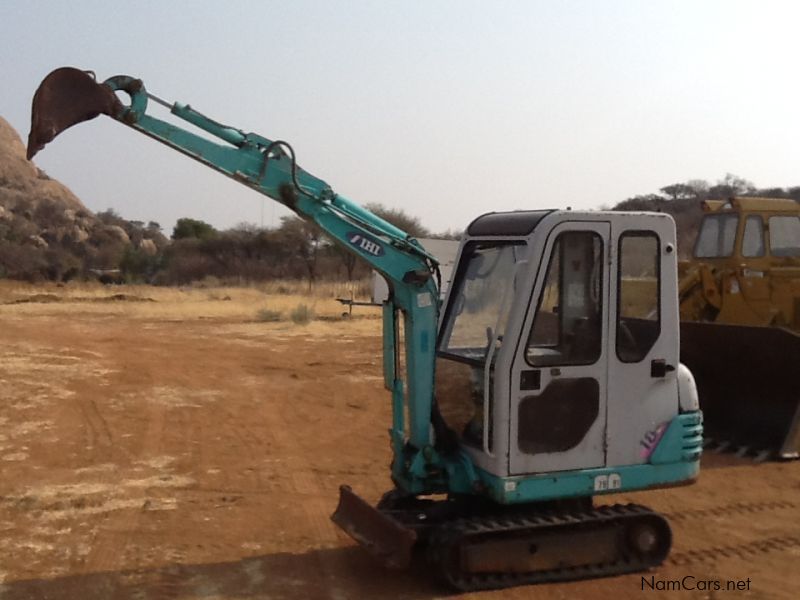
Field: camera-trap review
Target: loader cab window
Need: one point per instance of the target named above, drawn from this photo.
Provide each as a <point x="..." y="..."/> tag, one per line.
<point x="753" y="238"/>
<point x="472" y="331"/>
<point x="784" y="236"/>
<point x="717" y="236"/>
<point x="638" y="295"/>
<point x="567" y="329"/>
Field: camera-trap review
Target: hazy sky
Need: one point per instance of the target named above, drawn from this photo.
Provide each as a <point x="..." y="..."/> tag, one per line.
<point x="444" y="109"/>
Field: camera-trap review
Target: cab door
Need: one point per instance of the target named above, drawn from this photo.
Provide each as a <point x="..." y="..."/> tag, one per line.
<point x="559" y="379"/>
<point x="643" y="357"/>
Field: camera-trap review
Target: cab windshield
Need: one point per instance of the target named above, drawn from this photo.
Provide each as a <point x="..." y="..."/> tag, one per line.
<point x="717" y="236"/>
<point x="480" y="300"/>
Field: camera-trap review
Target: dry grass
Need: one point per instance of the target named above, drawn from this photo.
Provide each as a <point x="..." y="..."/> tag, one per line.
<point x="271" y="304"/>
<point x="145" y="302"/>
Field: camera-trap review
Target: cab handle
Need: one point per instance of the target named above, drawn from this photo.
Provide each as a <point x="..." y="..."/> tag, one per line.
<point x="659" y="368"/>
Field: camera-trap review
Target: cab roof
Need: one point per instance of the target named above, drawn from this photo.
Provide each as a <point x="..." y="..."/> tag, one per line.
<point x="516" y="223"/>
<point x="752" y="204"/>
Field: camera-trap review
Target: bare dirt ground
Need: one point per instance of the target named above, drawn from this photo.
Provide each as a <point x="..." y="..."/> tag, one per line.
<point x="149" y="455"/>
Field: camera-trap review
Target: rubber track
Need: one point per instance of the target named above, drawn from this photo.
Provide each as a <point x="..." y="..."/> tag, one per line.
<point x="449" y="533"/>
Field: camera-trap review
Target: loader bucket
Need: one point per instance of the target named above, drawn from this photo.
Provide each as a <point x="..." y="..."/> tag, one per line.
<point x="748" y="385"/>
<point x="65" y="97"/>
<point x="378" y="533"/>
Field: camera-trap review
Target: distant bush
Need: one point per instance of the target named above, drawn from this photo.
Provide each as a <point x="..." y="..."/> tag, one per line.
<point x="302" y="314"/>
<point x="267" y="315"/>
<point x="209" y="281"/>
<point x="193" y="228"/>
<point x="138" y="266"/>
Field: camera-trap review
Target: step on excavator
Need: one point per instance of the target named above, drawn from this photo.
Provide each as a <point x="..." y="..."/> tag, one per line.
<point x="547" y="378"/>
<point x="740" y="325"/>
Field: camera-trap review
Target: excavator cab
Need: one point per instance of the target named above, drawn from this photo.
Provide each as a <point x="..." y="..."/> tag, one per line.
<point x="556" y="327"/>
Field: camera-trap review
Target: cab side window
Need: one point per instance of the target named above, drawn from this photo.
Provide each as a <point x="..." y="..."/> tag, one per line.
<point x="753" y="239"/>
<point x="784" y="235"/>
<point x="639" y="310"/>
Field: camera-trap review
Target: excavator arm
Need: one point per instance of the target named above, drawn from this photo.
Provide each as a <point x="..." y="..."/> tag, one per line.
<point x="69" y="96"/>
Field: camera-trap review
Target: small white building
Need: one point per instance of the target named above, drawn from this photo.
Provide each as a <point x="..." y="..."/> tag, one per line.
<point x="445" y="252"/>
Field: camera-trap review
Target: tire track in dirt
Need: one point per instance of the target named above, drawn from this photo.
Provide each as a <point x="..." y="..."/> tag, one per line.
<point x="736" y="509"/>
<point x="96" y="431"/>
<point x="100" y="449"/>
<point x="247" y="445"/>
<point x="45" y="507"/>
<point x="750" y="549"/>
<point x="109" y="541"/>
<point x="317" y="510"/>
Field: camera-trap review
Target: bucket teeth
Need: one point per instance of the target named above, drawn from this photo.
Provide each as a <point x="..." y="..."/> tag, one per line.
<point x="65" y="97"/>
<point x="748" y="387"/>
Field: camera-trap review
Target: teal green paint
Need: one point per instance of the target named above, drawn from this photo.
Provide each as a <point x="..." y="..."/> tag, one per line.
<point x="574" y="484"/>
<point x="683" y="440"/>
<point x="389" y="346"/>
<point x="229" y="134"/>
<point x="424" y="341"/>
<point x="353" y="209"/>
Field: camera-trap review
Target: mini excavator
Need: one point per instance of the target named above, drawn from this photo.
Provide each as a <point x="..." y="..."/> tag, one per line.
<point x="548" y="377"/>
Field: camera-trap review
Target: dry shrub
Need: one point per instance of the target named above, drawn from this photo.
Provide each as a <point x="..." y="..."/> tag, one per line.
<point x="302" y="314"/>
<point x="267" y="315"/>
<point x="357" y="290"/>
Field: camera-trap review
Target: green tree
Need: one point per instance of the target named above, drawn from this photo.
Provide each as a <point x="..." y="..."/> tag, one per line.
<point x="192" y="228"/>
<point x="137" y="265"/>
<point x="677" y="191"/>
<point x="731" y="185"/>
<point x="347" y="258"/>
<point x="641" y="202"/>
<point x="303" y="240"/>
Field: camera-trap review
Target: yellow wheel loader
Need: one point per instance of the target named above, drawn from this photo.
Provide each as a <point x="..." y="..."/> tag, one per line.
<point x="740" y="324"/>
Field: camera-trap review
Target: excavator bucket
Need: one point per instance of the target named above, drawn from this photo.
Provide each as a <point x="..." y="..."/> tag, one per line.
<point x="748" y="385"/>
<point x="378" y="533"/>
<point x="65" y="97"/>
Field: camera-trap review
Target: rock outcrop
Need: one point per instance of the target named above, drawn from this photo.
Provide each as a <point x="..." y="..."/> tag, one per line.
<point x="45" y="230"/>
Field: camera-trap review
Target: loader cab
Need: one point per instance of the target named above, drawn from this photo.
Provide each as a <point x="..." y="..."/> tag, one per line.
<point x="755" y="230"/>
<point x="557" y="345"/>
<point x="746" y="263"/>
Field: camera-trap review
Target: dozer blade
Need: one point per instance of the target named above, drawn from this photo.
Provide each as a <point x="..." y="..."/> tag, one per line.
<point x="65" y="97"/>
<point x="748" y="384"/>
<point x="379" y="534"/>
